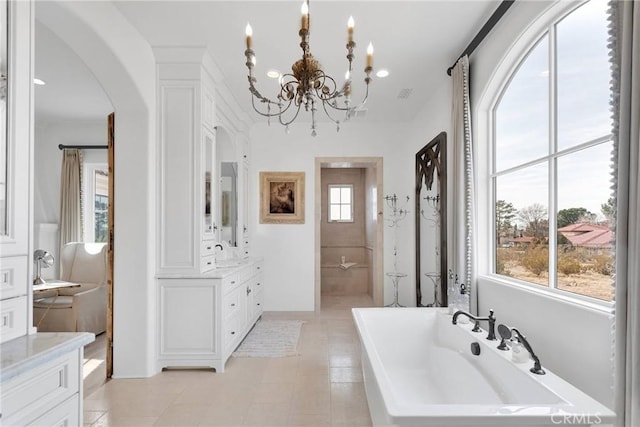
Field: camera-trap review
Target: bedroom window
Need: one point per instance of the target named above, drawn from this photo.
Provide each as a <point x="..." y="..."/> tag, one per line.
<point x="552" y="161"/>
<point x="340" y="203"/>
<point x="96" y="202"/>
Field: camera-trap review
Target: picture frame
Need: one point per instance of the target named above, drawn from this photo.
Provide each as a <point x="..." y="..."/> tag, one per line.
<point x="282" y="197"/>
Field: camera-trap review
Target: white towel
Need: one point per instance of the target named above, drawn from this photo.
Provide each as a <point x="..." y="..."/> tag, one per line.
<point x="346" y="265"/>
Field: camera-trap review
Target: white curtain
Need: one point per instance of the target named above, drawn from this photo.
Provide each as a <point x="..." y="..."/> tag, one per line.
<point x="71" y="197"/>
<point x="625" y="32"/>
<point x="463" y="200"/>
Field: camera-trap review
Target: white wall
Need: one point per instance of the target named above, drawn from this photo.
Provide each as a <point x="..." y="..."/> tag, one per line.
<point x="573" y="340"/>
<point x="289" y="250"/>
<point x="123" y="63"/>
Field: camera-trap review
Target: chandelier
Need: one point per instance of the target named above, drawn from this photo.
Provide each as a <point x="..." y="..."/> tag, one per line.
<point x="308" y="86"/>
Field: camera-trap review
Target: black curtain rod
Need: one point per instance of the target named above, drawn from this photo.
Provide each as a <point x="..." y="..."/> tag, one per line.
<point x="486" y="29"/>
<point x="84" y="147"/>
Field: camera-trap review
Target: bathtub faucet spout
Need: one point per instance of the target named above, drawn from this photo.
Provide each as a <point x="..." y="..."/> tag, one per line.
<point x="491" y="319"/>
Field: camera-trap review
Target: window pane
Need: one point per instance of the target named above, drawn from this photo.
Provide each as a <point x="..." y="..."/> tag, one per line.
<point x="335" y="213"/>
<point x="346" y="195"/>
<point x="522" y="226"/>
<point x="334" y="194"/>
<point x="522" y="116"/>
<point x="101" y="203"/>
<point x="583" y="75"/>
<point x="345" y="213"/>
<point x="584" y="215"/>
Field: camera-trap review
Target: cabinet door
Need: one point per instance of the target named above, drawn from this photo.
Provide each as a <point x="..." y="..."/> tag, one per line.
<point x="187" y="317"/>
<point x="16" y="142"/>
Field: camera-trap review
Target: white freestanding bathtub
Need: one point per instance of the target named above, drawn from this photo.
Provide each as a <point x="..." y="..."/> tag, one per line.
<point x="419" y="371"/>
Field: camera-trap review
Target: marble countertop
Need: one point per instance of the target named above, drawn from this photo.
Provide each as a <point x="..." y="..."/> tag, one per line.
<point x="22" y="354"/>
<point x="223" y="269"/>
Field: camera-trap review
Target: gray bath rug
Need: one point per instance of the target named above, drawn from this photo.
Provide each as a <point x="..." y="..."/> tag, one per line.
<point x="271" y="338"/>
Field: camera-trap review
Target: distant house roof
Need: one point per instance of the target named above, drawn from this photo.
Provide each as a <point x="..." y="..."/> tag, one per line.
<point x="523" y="239"/>
<point x="588" y="235"/>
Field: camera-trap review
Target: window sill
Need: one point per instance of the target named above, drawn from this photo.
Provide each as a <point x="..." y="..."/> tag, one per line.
<point x="589" y="303"/>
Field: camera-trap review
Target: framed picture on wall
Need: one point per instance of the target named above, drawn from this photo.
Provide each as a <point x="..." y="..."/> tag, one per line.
<point x="282" y="197"/>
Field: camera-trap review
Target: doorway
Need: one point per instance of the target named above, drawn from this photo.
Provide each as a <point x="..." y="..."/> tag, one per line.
<point x="363" y="255"/>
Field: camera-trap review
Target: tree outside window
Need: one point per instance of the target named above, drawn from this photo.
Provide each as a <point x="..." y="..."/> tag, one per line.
<point x="553" y="208"/>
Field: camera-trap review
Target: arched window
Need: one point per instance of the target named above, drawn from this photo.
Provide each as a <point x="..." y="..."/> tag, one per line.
<point x="551" y="165"/>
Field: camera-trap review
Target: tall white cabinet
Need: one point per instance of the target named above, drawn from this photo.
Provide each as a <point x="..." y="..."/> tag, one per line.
<point x="203" y="310"/>
<point x="187" y="164"/>
<point x="15" y="260"/>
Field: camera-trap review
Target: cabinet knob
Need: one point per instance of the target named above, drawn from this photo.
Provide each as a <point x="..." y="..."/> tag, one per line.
<point x="208" y="262"/>
<point x="233" y="282"/>
<point x="233" y="304"/>
<point x="208" y="248"/>
<point x="258" y="304"/>
<point x="233" y="332"/>
<point x="258" y="284"/>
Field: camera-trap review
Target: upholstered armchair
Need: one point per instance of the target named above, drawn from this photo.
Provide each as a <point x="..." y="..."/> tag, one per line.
<point x="82" y="308"/>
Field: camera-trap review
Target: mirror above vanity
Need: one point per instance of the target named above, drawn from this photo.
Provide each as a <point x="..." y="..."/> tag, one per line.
<point x="227" y="189"/>
<point x="229" y="203"/>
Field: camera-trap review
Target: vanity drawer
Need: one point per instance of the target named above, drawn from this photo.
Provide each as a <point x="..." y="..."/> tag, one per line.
<point x="230" y="282"/>
<point x="13" y="318"/>
<point x="40" y="389"/>
<point x="63" y="415"/>
<point x="207" y="248"/>
<point x="250" y="271"/>
<point x="13" y="277"/>
<point x="258" y="267"/>
<point x="207" y="263"/>
<point x="232" y="331"/>
<point x="231" y="303"/>
<point x="257" y="284"/>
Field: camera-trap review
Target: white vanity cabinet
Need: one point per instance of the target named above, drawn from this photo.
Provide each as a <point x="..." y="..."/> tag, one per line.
<point x="205" y="317"/>
<point x="41" y="379"/>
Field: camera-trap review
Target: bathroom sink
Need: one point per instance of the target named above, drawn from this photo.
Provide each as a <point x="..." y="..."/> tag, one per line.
<point x="224" y="263"/>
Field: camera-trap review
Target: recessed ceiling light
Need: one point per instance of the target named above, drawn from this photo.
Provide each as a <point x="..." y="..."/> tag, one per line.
<point x="39" y="82"/>
<point x="274" y="74"/>
<point x="382" y="73"/>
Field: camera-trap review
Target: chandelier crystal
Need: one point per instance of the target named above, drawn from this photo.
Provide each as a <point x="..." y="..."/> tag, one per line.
<point x="307" y="85"/>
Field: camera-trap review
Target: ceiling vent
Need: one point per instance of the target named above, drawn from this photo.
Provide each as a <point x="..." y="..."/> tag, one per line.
<point x="405" y="93"/>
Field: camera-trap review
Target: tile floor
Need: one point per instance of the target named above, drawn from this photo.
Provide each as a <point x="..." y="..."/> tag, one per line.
<point x="322" y="386"/>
